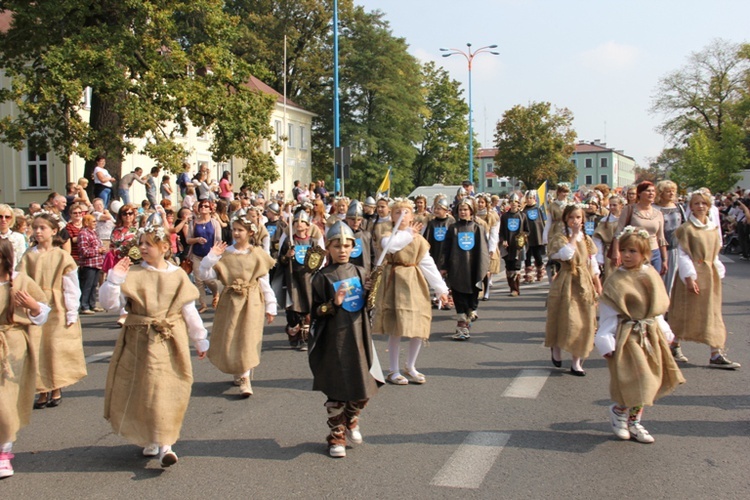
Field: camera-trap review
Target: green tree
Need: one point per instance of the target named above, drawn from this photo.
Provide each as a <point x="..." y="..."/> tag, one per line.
<point x="442" y="152"/>
<point x="535" y="144"/>
<point x="380" y="104"/>
<point x="154" y="68"/>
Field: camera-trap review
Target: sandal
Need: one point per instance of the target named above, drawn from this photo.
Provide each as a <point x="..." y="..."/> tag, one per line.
<point x="203" y="308"/>
<point x="416" y="377"/>
<point x="396" y="379"/>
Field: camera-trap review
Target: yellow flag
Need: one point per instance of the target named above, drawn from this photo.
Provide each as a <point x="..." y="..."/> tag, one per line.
<point x="385" y="186"/>
<point x="542" y="195"/>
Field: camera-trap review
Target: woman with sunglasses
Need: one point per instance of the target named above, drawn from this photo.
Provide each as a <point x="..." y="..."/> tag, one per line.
<point x="203" y="232"/>
<point x="7" y="221"/>
<point x="77" y="211"/>
<point x="124" y="231"/>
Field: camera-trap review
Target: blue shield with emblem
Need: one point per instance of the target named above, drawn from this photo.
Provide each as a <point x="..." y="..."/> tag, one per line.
<point x="357" y="250"/>
<point x="355" y="293"/>
<point x="272" y="230"/>
<point x="589" y="227"/>
<point x="299" y="253"/>
<point x="514" y="225"/>
<point x="532" y="213"/>
<point x="466" y="241"/>
<point x="439" y="233"/>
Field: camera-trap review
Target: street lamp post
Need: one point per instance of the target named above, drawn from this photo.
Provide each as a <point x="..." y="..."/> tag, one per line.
<point x="469" y="55"/>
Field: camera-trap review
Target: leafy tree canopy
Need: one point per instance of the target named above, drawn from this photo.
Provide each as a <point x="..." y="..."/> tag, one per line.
<point x="535" y="144"/>
<point x="154" y="67"/>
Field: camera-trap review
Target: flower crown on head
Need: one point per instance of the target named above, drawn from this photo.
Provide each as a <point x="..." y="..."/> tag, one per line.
<point x="700" y="191"/>
<point x="633" y="230"/>
<point x="404" y="202"/>
<point x="242" y="219"/>
<point x="154" y="229"/>
<point x="59" y="220"/>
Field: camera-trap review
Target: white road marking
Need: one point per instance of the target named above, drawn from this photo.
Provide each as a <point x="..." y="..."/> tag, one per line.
<point x="527" y="384"/>
<point x="725" y="259"/>
<point x="471" y="462"/>
<point x="99" y="357"/>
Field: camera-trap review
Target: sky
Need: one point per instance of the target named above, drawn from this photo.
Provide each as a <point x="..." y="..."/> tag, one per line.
<point x="602" y="59"/>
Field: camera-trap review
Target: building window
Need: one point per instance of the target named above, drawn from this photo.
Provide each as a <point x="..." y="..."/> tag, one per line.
<point x="302" y="138"/>
<point x="574" y="162"/>
<point x="489" y="167"/>
<point x="603" y="179"/>
<point x="277" y="125"/>
<point x="588" y="162"/>
<point x="290" y="139"/>
<point x="503" y="184"/>
<point x="603" y="162"/>
<point x="589" y="179"/>
<point x="489" y="183"/>
<point x="86" y="98"/>
<point x="36" y="170"/>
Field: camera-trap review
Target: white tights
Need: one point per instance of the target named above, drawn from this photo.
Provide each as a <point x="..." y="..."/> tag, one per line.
<point x="415" y="345"/>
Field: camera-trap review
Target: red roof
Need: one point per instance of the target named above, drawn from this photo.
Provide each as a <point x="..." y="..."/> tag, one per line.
<point x="486" y="152"/>
<point x="6" y="17"/>
<point x="256" y="84"/>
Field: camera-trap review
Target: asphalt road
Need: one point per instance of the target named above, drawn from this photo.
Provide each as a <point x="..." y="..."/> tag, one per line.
<point x="494" y="420"/>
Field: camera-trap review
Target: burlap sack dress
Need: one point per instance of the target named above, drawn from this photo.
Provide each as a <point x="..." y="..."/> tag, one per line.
<point x="19" y="344"/>
<point x="237" y="333"/>
<point x="402" y="306"/>
<point x="641" y="368"/>
<point x="571" y="303"/>
<point x="150" y="374"/>
<point x="698" y="318"/>
<point x="61" y="359"/>
<point x="491" y="219"/>
<point x="605" y="232"/>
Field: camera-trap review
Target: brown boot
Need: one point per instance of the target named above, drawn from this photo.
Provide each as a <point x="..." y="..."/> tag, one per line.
<point x="352" y="410"/>
<point x="294" y="335"/>
<point x="540" y="273"/>
<point x="337" y="423"/>
<point x="516" y="285"/>
<point x="528" y="274"/>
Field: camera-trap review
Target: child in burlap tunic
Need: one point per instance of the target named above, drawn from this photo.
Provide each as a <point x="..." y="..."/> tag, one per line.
<point x="402" y="307"/>
<point x="695" y="308"/>
<point x="247" y="300"/>
<point x="150" y="374"/>
<point x="61" y="359"/>
<point x="634" y="337"/>
<point x="22" y="310"/>
<point x="571" y="304"/>
<point x="342" y="356"/>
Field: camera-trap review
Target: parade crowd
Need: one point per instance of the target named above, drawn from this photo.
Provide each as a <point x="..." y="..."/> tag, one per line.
<point x="632" y="274"/>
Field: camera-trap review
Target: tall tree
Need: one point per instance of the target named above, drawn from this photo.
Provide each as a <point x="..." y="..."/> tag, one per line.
<point x="705" y="117"/>
<point x="380" y="103"/>
<point x="535" y="144"/>
<point x="442" y="152"/>
<point x="154" y="68"/>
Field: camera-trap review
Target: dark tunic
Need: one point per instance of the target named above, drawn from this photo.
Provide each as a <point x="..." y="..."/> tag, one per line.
<point x="363" y="254"/>
<point x="466" y="266"/>
<point x="535" y="220"/>
<point x="341" y="349"/>
<point x="296" y="278"/>
<point x="506" y="234"/>
<point x="275" y="230"/>
<point x="435" y="234"/>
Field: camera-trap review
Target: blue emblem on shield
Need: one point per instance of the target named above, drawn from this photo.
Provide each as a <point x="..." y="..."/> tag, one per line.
<point x="589" y="227"/>
<point x="514" y="224"/>
<point x="465" y="241"/>
<point x="357" y="250"/>
<point x="354" y="299"/>
<point x="299" y="253"/>
<point x="439" y="233"/>
<point x="533" y="214"/>
<point x="272" y="230"/>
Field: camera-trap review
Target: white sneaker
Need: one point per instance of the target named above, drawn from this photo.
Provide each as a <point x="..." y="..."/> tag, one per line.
<point x="246" y="390"/>
<point x="337" y="450"/>
<point x="151" y="450"/>
<point x="354" y="435"/>
<point x="619" y="423"/>
<point x="167" y="459"/>
<point x="6" y="468"/>
<point x="639" y="433"/>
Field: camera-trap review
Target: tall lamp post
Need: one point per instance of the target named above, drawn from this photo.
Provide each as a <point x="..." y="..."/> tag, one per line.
<point x="469" y="55"/>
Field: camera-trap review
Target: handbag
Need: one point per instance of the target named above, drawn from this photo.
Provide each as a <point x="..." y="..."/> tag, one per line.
<point x="187" y="265"/>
